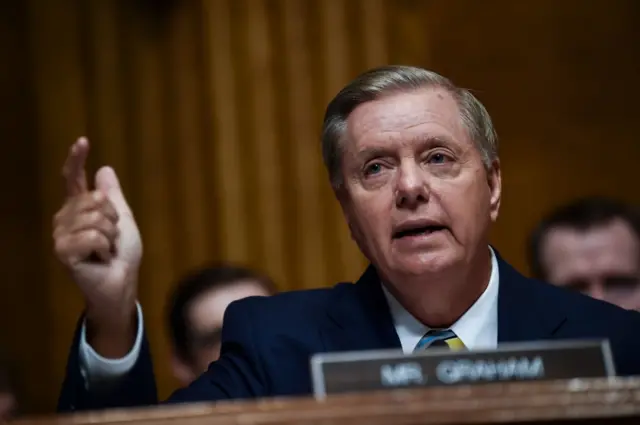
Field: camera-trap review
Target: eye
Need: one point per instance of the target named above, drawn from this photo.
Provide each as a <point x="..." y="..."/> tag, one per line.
<point x="438" y="158"/>
<point x="621" y="283"/>
<point x="373" y="169"/>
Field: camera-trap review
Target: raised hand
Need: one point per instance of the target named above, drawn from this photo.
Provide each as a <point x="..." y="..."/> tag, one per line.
<point x="97" y="239"/>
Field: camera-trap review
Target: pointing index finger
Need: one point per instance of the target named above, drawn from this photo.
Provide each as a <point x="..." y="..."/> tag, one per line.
<point x="74" y="168"/>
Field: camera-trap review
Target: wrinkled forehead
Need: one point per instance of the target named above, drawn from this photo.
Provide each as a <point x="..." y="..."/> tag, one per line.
<point x="416" y="114"/>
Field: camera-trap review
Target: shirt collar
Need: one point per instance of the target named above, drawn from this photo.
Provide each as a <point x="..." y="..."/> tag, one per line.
<point x="477" y="328"/>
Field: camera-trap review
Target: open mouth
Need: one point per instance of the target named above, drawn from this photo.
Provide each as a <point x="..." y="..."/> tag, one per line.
<point x="417" y="231"/>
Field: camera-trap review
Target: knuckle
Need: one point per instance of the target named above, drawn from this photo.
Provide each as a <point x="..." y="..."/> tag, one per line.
<point x="94" y="217"/>
<point x="97" y="197"/>
<point x="60" y="247"/>
<point x="57" y="233"/>
<point x="93" y="236"/>
<point x="97" y="239"/>
<point x="57" y="218"/>
<point x="57" y="245"/>
<point x="60" y="215"/>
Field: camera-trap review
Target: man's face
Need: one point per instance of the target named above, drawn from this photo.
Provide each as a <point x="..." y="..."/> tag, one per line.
<point x="603" y="262"/>
<point x="416" y="194"/>
<point x="205" y="316"/>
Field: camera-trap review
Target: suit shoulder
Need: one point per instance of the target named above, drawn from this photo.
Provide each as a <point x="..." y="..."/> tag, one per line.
<point x="299" y="304"/>
<point x="585" y="308"/>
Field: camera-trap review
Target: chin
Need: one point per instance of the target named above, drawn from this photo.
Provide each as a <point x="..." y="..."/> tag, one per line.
<point x="425" y="264"/>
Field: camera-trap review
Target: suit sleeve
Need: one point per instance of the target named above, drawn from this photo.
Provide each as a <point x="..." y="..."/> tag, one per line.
<point x="238" y="374"/>
<point x="135" y="387"/>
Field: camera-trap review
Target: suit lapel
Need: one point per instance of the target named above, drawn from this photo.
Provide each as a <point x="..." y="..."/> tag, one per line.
<point x="359" y="317"/>
<point x="524" y="313"/>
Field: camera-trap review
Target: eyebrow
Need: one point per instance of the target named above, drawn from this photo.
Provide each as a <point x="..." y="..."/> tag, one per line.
<point x="372" y="152"/>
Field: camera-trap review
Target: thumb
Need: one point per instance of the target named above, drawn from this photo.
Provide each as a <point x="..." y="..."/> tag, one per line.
<point x="107" y="182"/>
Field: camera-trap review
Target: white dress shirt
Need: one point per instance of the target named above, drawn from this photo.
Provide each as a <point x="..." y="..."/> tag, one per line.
<point x="477" y="329"/>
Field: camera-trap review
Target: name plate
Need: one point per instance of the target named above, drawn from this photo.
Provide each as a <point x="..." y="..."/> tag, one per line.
<point x="334" y="373"/>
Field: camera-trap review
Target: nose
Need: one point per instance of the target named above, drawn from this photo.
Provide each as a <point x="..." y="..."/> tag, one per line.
<point x="411" y="186"/>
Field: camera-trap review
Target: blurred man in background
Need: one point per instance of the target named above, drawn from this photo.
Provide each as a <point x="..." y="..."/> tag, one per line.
<point x="8" y="402"/>
<point x="196" y="309"/>
<point x="593" y="246"/>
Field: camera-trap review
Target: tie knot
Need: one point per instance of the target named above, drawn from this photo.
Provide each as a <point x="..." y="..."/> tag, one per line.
<point x="439" y="338"/>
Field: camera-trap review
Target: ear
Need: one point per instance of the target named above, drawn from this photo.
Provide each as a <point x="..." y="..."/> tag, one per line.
<point x="494" y="179"/>
<point x="181" y="370"/>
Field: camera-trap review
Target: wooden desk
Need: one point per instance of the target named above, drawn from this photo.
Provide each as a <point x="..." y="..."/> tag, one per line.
<point x="601" y="401"/>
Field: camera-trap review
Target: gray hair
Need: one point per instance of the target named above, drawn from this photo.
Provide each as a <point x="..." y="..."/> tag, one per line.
<point x="386" y="80"/>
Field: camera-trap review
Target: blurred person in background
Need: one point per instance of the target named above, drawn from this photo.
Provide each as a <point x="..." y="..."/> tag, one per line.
<point x="8" y="402"/>
<point x="591" y="245"/>
<point x="195" y="311"/>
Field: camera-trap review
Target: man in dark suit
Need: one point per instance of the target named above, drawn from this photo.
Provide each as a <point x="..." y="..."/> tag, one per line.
<point x="413" y="161"/>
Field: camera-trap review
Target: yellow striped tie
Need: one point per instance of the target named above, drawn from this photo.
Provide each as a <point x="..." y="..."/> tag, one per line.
<point x="440" y="338"/>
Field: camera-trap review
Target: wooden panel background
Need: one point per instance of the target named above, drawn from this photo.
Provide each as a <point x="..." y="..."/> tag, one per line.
<point x="210" y="112"/>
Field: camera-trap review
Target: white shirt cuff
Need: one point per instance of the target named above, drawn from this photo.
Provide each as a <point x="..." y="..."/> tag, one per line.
<point x="98" y="370"/>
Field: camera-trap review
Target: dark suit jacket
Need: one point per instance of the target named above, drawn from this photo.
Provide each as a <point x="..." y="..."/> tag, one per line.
<point x="267" y="342"/>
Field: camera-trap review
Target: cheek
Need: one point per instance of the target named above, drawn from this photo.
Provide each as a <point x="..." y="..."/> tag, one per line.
<point x="465" y="204"/>
<point x="372" y="213"/>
